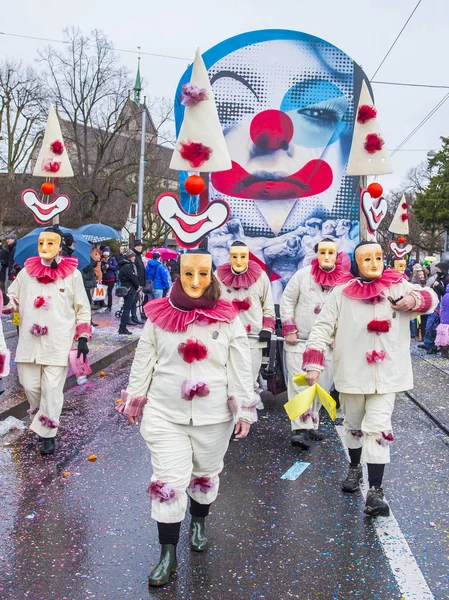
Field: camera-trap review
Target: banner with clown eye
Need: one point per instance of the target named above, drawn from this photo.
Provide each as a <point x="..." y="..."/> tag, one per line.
<point x="286" y="101"/>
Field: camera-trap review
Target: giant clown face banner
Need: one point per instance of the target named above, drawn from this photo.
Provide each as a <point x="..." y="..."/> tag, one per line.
<point x="286" y="103"/>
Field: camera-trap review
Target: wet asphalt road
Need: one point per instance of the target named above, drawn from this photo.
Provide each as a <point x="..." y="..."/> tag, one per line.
<point x="71" y="529"/>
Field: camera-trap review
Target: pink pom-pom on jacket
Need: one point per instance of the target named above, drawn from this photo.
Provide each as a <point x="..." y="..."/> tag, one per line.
<point x="190" y="389"/>
<point x="242" y="305"/>
<point x="376" y="356"/>
<point x="196" y="154"/>
<point x="192" y="350"/>
<point x="192" y="94"/>
<point x="50" y="165"/>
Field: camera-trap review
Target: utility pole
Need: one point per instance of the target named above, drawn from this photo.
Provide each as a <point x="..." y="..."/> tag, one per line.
<point x="141" y="174"/>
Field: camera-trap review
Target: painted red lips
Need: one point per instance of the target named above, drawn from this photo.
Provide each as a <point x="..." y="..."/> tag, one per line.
<point x="313" y="178"/>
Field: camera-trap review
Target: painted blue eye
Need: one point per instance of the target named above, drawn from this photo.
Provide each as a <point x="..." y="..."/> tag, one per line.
<point x="328" y="116"/>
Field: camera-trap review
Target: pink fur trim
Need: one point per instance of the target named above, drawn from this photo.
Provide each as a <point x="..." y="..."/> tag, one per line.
<point x="4" y="363"/>
<point x="84" y="330"/>
<point x="268" y="323"/>
<point x="201" y="484"/>
<point x="364" y="290"/>
<point x="289" y="326"/>
<point x="132" y="405"/>
<point x="163" y="314"/>
<point x="375" y="356"/>
<point x="312" y="358"/>
<point x="47" y="422"/>
<point x="238" y="281"/>
<point x="35" y="268"/>
<point x="162" y="492"/>
<point x="36" y="330"/>
<point x="385" y="439"/>
<point x="251" y="409"/>
<point x="190" y="389"/>
<point x="426" y="302"/>
<point x="233" y="406"/>
<point x="9" y="309"/>
<point x="310" y="414"/>
<point x="339" y="274"/>
<point x="358" y="433"/>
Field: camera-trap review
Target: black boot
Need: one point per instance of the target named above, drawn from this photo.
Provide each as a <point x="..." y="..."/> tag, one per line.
<point x="137" y="321"/>
<point x="375" y="505"/>
<point x="300" y="438"/>
<point x="316" y="434"/>
<point x="47" y="445"/>
<point x="197" y="534"/>
<point x="352" y="482"/>
<point x="166" y="566"/>
<point x="123" y="331"/>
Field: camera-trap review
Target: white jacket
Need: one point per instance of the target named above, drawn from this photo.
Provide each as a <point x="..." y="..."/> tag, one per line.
<point x="66" y="316"/>
<point x="159" y="372"/>
<point x="367" y="361"/>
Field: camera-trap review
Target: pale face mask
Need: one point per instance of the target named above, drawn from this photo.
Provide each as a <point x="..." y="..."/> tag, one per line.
<point x="239" y="258"/>
<point x="48" y="245"/>
<point x="196" y="273"/>
<point x="369" y="260"/>
<point x="400" y="265"/>
<point x="327" y="255"/>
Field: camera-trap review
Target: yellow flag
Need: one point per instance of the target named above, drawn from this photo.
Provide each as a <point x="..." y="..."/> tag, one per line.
<point x="16" y="319"/>
<point x="301" y="403"/>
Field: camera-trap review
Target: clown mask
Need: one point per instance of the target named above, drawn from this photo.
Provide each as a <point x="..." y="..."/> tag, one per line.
<point x="48" y="245"/>
<point x="369" y="259"/>
<point x="327" y="255"/>
<point x="196" y="271"/>
<point x="400" y="265"/>
<point x="239" y="257"/>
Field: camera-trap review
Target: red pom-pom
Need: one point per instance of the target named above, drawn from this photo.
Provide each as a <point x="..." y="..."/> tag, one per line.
<point x="50" y="165"/>
<point x="39" y="301"/>
<point x="194" y="185"/>
<point x="192" y="350"/>
<point x="57" y="147"/>
<point x="404" y="217"/>
<point x="373" y="143"/>
<point x="365" y="113"/>
<point x="401" y="240"/>
<point x="375" y="190"/>
<point x="242" y="305"/>
<point x="195" y="153"/>
<point x="47" y="188"/>
<point x="404" y="205"/>
<point x="379" y="326"/>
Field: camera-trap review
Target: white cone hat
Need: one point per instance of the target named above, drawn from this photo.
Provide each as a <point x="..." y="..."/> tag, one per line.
<point x="200" y="126"/>
<point x="53" y="160"/>
<point x="399" y="223"/>
<point x="362" y="162"/>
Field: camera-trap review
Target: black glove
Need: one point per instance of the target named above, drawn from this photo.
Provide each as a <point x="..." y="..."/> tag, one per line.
<point x="82" y="348"/>
<point x="264" y="336"/>
<point x="5" y="298"/>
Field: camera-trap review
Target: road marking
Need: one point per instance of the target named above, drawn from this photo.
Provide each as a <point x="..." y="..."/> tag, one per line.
<point x="295" y="471"/>
<point x="403" y="564"/>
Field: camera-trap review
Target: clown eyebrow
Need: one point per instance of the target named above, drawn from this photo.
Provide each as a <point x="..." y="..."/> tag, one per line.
<point x="235" y="76"/>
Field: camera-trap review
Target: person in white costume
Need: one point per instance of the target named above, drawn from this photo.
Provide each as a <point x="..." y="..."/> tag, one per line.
<point x="367" y="321"/>
<point x="191" y="384"/>
<point x="301" y="303"/>
<point x="50" y="298"/>
<point x="247" y="286"/>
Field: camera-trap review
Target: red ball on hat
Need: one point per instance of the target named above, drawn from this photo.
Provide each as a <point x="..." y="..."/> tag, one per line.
<point x="194" y="185"/>
<point x="375" y="190"/>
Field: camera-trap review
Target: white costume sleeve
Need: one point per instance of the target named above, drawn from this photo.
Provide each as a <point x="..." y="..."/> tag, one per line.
<point x="289" y="301"/>
<point x="269" y="316"/>
<point x="322" y="334"/>
<point x="426" y="298"/>
<point x="239" y="374"/>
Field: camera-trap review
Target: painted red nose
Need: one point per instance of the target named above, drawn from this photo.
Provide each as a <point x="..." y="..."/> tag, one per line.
<point x="271" y="130"/>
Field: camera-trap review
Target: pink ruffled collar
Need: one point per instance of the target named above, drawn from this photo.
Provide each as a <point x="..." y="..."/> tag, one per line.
<point x="367" y="290"/>
<point x="45" y="274"/>
<point x="340" y="273"/>
<point x="241" y="280"/>
<point x="163" y="314"/>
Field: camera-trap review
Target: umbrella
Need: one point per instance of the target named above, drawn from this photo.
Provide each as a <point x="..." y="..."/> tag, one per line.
<point x="27" y="247"/>
<point x="97" y="232"/>
<point x="166" y="253"/>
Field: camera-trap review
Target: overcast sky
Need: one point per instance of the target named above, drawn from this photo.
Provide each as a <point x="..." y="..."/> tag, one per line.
<point x="364" y="29"/>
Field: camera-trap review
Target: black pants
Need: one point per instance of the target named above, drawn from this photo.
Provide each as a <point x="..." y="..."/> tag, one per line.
<point x="110" y="285"/>
<point x="128" y="302"/>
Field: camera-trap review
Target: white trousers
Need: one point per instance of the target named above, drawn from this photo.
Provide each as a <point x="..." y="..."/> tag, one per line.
<point x="367" y="425"/>
<point x="184" y="459"/>
<point x="43" y="385"/>
<point x="311" y="419"/>
<point x="256" y="361"/>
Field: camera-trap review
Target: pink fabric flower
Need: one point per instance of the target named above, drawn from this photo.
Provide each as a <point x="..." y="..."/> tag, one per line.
<point x="162" y="492"/>
<point x="385" y="439"/>
<point x="201" y="484"/>
<point x="375" y="356"/>
<point x="50" y="165"/>
<point x="192" y="94"/>
<point x="47" y="422"/>
<point x="190" y="389"/>
<point x="36" y="330"/>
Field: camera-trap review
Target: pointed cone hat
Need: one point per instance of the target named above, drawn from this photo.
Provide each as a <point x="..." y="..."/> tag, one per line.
<point x="200" y="145"/>
<point x="53" y="160"/>
<point x="399" y="223"/>
<point x="368" y="154"/>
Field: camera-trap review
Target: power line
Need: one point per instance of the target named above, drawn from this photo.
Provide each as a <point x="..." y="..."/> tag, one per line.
<point x="419" y="85"/>
<point x="139" y="52"/>
<point x="397" y="37"/>
<point x="423" y="122"/>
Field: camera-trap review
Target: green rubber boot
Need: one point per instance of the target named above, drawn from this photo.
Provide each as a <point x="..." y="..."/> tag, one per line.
<point x="166" y="566"/>
<point x="198" y="539"/>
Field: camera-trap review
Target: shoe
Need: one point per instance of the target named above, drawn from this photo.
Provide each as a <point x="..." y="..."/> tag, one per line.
<point x="47" y="446"/>
<point x="94" y="324"/>
<point x="422" y="346"/>
<point x="166" y="566"/>
<point x="375" y="505"/>
<point x="352" y="482"/>
<point x="197" y="534"/>
<point x="316" y="434"/>
<point x="124" y="331"/>
<point x="300" y="438"/>
<point x="130" y="324"/>
<point x="432" y="351"/>
<point x="137" y="321"/>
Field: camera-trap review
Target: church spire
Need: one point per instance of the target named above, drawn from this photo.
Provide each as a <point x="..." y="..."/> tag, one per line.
<point x="137" y="84"/>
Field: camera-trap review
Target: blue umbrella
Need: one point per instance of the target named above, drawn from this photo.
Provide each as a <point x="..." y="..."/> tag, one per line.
<point x="27" y="247"/>
<point x="97" y="232"/>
